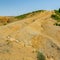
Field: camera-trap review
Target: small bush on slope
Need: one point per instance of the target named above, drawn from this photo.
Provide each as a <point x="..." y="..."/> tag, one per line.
<point x="40" y="56"/>
<point x="57" y="24"/>
<point x="57" y="12"/>
<point x="56" y="16"/>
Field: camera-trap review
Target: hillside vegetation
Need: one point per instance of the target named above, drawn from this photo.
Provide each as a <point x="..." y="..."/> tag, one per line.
<point x="28" y="14"/>
<point x="56" y="16"/>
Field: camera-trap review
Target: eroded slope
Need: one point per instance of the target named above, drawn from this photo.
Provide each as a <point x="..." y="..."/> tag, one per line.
<point x="22" y="39"/>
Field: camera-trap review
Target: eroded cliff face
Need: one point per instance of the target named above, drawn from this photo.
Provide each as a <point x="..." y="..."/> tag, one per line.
<point x="22" y="39"/>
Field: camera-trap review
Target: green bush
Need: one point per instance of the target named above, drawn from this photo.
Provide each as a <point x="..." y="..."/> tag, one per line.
<point x="40" y="56"/>
<point x="57" y="24"/>
<point x="55" y="17"/>
<point x="59" y="10"/>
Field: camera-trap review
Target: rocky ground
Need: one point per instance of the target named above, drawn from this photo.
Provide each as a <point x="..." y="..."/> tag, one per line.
<point x="20" y="40"/>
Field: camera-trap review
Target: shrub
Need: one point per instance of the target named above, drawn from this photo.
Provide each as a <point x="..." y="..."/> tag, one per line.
<point x="59" y="10"/>
<point x="55" y="17"/>
<point x="40" y="56"/>
<point x="57" y="24"/>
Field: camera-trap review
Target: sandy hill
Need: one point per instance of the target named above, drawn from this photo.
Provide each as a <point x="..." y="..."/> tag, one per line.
<point x="22" y="39"/>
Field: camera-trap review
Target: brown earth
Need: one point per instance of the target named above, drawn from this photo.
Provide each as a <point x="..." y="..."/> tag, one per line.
<point x="20" y="40"/>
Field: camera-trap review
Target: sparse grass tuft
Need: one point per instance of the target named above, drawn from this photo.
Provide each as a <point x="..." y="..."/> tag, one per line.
<point x="40" y="56"/>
